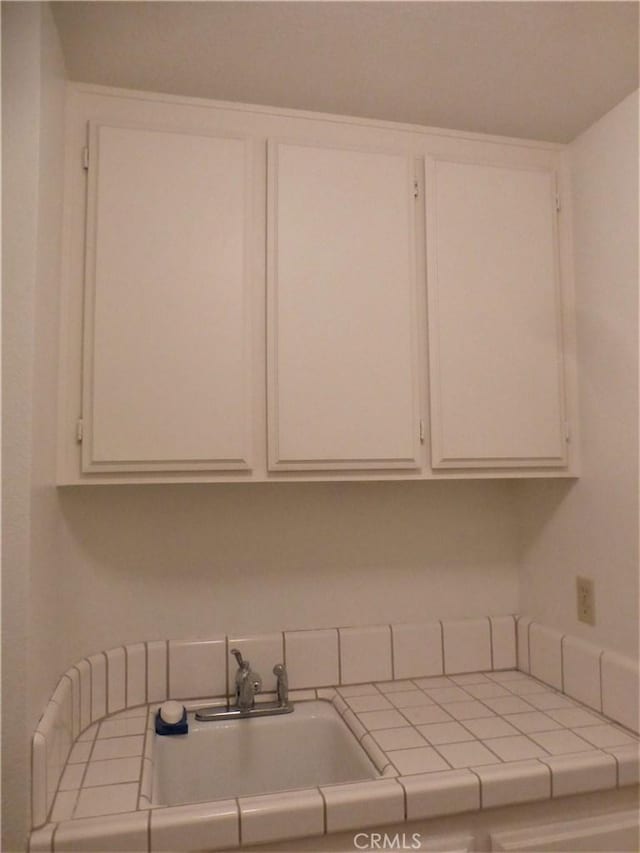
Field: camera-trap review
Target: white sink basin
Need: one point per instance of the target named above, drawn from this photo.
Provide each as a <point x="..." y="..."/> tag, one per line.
<point x="234" y="758"/>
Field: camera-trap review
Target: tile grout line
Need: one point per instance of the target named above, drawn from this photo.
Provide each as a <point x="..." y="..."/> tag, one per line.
<point x="126" y="677"/>
<point x="237" y="799"/>
<point x="540" y="761"/>
<point x="106" y="785"/>
<point x="284" y="651"/>
<point x="75" y="802"/>
<point x="149" y="831"/>
<point x="479" y="785"/>
<point x="89" y="691"/>
<point x="395" y="768"/>
<point x="501" y="760"/>
<point x="106" y="685"/>
<point x="90" y="711"/>
<point x="405" y="803"/>
<point x="106" y="682"/>
<point x="84" y="772"/>
<point x="46" y="811"/>
<point x="446" y="761"/>
<point x="115" y="814"/>
<point x="548" y="766"/>
<point x="73" y="692"/>
<point x="491" y="642"/>
<point x="324" y="811"/>
<point x="615" y="758"/>
<point x="114" y="758"/>
<point x="78" y="686"/>
<point x="114" y="719"/>
<point x="475" y="736"/>
<point x="53" y="837"/>
<point x="144" y="752"/>
<point x="392" y="653"/>
<point x="167" y="670"/>
<point x="539" y="745"/>
<point x="146" y="673"/>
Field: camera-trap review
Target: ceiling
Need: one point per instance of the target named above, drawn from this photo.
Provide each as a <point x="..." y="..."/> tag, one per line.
<point x="542" y="70"/>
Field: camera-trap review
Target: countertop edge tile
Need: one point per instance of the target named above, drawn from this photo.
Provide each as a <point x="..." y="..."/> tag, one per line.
<point x="126" y="828"/>
<point x="627" y="758"/>
<point x="40" y="840"/>
<point x="581" y="772"/>
<point x="442" y="793"/>
<point x="357" y="805"/>
<point x="261" y="817"/>
<point x="513" y="782"/>
<point x="210" y="826"/>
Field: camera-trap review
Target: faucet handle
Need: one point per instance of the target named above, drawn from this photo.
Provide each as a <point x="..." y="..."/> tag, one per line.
<point x="242" y="663"/>
<point x="282" y="686"/>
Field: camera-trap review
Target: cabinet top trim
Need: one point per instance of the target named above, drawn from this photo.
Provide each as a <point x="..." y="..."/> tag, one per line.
<point x="235" y="106"/>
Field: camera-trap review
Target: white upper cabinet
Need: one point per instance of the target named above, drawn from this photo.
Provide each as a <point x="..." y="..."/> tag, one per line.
<point x="167" y="331"/>
<point x="341" y="309"/>
<point x="494" y="317"/>
<point x="253" y="294"/>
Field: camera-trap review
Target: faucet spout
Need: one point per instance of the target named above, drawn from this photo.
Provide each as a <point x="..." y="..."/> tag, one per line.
<point x="247" y="683"/>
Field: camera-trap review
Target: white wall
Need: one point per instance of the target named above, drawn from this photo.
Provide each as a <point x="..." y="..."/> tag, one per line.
<point x="591" y="528"/>
<point x="47" y="609"/>
<point x="143" y="562"/>
<point x="32" y="113"/>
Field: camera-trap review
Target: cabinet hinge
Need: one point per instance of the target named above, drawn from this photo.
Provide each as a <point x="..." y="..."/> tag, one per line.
<point x="85" y="157"/>
<point x="79" y="430"/>
<point x="416" y="191"/>
<point x="567" y="431"/>
<point x="421" y="431"/>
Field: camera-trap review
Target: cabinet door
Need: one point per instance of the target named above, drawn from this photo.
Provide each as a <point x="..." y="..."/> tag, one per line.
<point x="342" y="347"/>
<point x="496" y="386"/>
<point x="167" y="326"/>
<point x="613" y="832"/>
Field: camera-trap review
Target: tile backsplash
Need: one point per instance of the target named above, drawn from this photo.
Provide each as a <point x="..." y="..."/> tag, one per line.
<point x="128" y="677"/>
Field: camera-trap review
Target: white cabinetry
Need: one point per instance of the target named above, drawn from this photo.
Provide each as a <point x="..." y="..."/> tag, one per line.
<point x="341" y="309"/>
<point x="495" y="337"/>
<point x="252" y="294"/>
<point x="615" y="833"/>
<point x="167" y="337"/>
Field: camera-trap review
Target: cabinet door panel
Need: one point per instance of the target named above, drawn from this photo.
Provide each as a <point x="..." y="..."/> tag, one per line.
<point x="166" y="383"/>
<point x="614" y="832"/>
<point x="494" y="317"/>
<point x="341" y="309"/>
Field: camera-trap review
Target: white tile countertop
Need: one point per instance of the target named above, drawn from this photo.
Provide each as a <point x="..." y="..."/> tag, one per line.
<point x="443" y="745"/>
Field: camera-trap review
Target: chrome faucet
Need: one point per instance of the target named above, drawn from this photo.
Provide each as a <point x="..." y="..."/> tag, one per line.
<point x="248" y="683"/>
